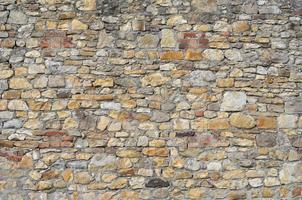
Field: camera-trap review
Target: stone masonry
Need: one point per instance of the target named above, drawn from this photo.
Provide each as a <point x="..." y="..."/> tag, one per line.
<point x="150" y="99"/>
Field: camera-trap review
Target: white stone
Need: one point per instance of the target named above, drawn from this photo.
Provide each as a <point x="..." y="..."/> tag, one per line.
<point x="215" y="166"/>
<point x="233" y="101"/>
<point x="287" y="121"/>
<point x="111" y="106"/>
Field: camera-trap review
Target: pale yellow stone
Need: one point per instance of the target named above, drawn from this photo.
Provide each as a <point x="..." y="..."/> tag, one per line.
<point x="106" y="82"/>
<point x="240" y="120"/>
<point x="78" y="25"/>
<point x="154" y="80"/>
<point x="19" y="83"/>
<point x="103" y="123"/>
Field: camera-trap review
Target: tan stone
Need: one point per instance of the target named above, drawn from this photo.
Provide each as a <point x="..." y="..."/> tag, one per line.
<point x="103" y="123"/>
<point x="240" y="120"/>
<point x="193" y="55"/>
<point x="67" y="175"/>
<point x="218" y="123"/>
<point x="181" y="124"/>
<point x="154" y="80"/>
<point x="196" y="193"/>
<point x="227" y="82"/>
<point x="118" y="183"/>
<point x="266" y="122"/>
<point x="70" y="123"/>
<point x="106" y="82"/>
<point x="44" y="185"/>
<point x="89" y="5"/>
<point x="128" y="154"/>
<point x="129" y="195"/>
<point x="3" y="104"/>
<point x="168" y="38"/>
<point x="6" y="74"/>
<point x="17" y="105"/>
<point x="19" y="83"/>
<point x="240" y="26"/>
<point x="83" y="178"/>
<point x="26" y="162"/>
<point x="78" y="25"/>
<point x="171" y="55"/>
<point x="161" y="152"/>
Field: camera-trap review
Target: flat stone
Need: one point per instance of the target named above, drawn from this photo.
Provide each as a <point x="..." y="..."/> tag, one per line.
<point x="240" y="120"/>
<point x="3" y="85"/>
<point x="83" y="178"/>
<point x="19" y="83"/>
<point x="148" y="41"/>
<point x="205" y="5"/>
<point x="3" y="16"/>
<point x="287" y="121"/>
<point x="291" y="173"/>
<point x="102" y="160"/>
<point x="240" y="26"/>
<point x="233" y="55"/>
<point x="181" y="124"/>
<point x="154" y="80"/>
<point x="233" y="101"/>
<point x="201" y="78"/>
<point x="167" y="38"/>
<point x="56" y="81"/>
<point x="14" y="123"/>
<point x="294" y="106"/>
<point x="103" y="123"/>
<point x="266" y="122"/>
<point x="17" y="105"/>
<point x="266" y="140"/>
<point x="6" y="115"/>
<point x="213" y="55"/>
<point x="159" y="116"/>
<point x="78" y="25"/>
<point x="17" y="17"/>
<point x="111" y="105"/>
<point x="104" y="40"/>
<point x="157" y="183"/>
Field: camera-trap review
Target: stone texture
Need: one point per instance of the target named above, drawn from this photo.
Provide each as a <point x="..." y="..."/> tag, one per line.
<point x="213" y="55"/>
<point x="266" y="140"/>
<point x="168" y="38"/>
<point x="148" y="41"/>
<point x="17" y="17"/>
<point x="233" y="101"/>
<point x="240" y="120"/>
<point x="201" y="78"/>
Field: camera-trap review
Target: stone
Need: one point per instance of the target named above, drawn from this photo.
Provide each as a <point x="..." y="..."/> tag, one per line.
<point x="56" y="81"/>
<point x="201" y="78"/>
<point x="103" y="123"/>
<point x="181" y="124"/>
<point x="3" y="85"/>
<point x="266" y="122"/>
<point x="17" y="17"/>
<point x="17" y="105"/>
<point x="6" y="74"/>
<point x="196" y="193"/>
<point x="271" y="181"/>
<point x="78" y="25"/>
<point x="240" y="26"/>
<point x="167" y="38"/>
<point x="266" y="140"/>
<point x="148" y="41"/>
<point x="111" y="105"/>
<point x="233" y="101"/>
<point x="3" y="16"/>
<point x="291" y="173"/>
<point x="159" y="116"/>
<point x="193" y="55"/>
<point x="106" y="82"/>
<point x="36" y="69"/>
<point x="294" y="106"/>
<point x="152" y="151"/>
<point x="104" y="40"/>
<point x="157" y="183"/>
<point x="215" y="166"/>
<point x="213" y="55"/>
<point x="19" y="83"/>
<point x="176" y="20"/>
<point x="171" y="55"/>
<point x="287" y="121"/>
<point x="102" y="161"/>
<point x="89" y="5"/>
<point x="240" y="120"/>
<point x="118" y="183"/>
<point x="83" y="178"/>
<point x="233" y="55"/>
<point x="208" y="6"/>
<point x="14" y="123"/>
<point x="154" y="80"/>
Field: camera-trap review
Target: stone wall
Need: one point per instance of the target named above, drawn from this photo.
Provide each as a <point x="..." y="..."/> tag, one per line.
<point x="150" y="99"/>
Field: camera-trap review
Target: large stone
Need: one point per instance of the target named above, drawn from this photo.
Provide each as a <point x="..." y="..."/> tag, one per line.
<point x="266" y="139"/>
<point x="103" y="123"/>
<point x="213" y="55"/>
<point x="240" y="120"/>
<point x="104" y="40"/>
<point x="83" y="178"/>
<point x="19" y="83"/>
<point x="78" y="25"/>
<point x="205" y="5"/>
<point x="266" y="122"/>
<point x="3" y="85"/>
<point x="111" y="105"/>
<point x="148" y="41"/>
<point x="287" y="121"/>
<point x="233" y="101"/>
<point x="201" y="78"/>
<point x="102" y="160"/>
<point x="159" y="116"/>
<point x="181" y="124"/>
<point x="3" y="16"/>
<point x="294" y="105"/>
<point x="17" y="17"/>
<point x="17" y="105"/>
<point x="233" y="55"/>
<point x="157" y="183"/>
<point x="291" y="173"/>
<point x="167" y="38"/>
<point x="56" y="81"/>
<point x="154" y="80"/>
<point x="240" y="26"/>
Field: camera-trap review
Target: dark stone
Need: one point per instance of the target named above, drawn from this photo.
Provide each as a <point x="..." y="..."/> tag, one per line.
<point x="63" y="94"/>
<point x="266" y="140"/>
<point x="157" y="183"/>
<point x="185" y="134"/>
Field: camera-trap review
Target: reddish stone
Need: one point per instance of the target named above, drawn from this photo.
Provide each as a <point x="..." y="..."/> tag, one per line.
<point x="67" y="138"/>
<point x="199" y="113"/>
<point x="11" y="156"/>
<point x="297" y="192"/>
<point x="66" y="144"/>
<point x="54" y="133"/>
<point x="5" y="143"/>
<point x="44" y="145"/>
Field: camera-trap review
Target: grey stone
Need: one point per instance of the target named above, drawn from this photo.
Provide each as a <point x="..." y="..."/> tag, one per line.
<point x="192" y="164"/>
<point x="3" y="17"/>
<point x="269" y="10"/>
<point x="3" y="85"/>
<point x="167" y="106"/>
<point x="16" y="136"/>
<point x="127" y="82"/>
<point x="201" y="78"/>
<point x="297" y="142"/>
<point x="159" y="116"/>
<point x="111" y="105"/>
<point x="294" y="105"/>
<point x="102" y="160"/>
<point x="148" y="41"/>
<point x="266" y="140"/>
<point x="157" y="183"/>
<point x="233" y="101"/>
<point x="6" y="115"/>
<point x="287" y="121"/>
<point x="77" y="164"/>
<point x="233" y="55"/>
<point x="17" y="17"/>
<point x="56" y="81"/>
<point x="3" y="34"/>
<point x="14" y="123"/>
<point x="291" y="173"/>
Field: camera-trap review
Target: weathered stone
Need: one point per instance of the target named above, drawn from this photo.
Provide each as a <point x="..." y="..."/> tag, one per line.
<point x="148" y="41"/>
<point x="240" y="26"/>
<point x="266" y="140"/>
<point x="56" y="81"/>
<point x="157" y="183"/>
<point x="201" y="78"/>
<point x="167" y="38"/>
<point x="104" y="39"/>
<point x="103" y="123"/>
<point x="266" y="122"/>
<point x="17" y="17"/>
<point x="291" y="173"/>
<point x="205" y="5"/>
<point x="107" y="82"/>
<point x="19" y="83"/>
<point x="233" y="55"/>
<point x="213" y="55"/>
<point x="155" y="79"/>
<point x="233" y="101"/>
<point x="82" y="178"/>
<point x="287" y="121"/>
<point x="78" y="25"/>
<point x="159" y="116"/>
<point x="111" y="105"/>
<point x="17" y="105"/>
<point x="102" y="160"/>
<point x="294" y="106"/>
<point x="240" y="120"/>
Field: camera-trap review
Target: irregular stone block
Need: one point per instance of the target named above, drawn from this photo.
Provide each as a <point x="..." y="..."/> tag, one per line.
<point x="157" y="183"/>
<point x="233" y="101"/>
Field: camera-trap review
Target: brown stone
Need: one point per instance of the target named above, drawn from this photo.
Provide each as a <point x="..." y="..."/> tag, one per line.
<point x="240" y="120"/>
<point x="151" y="151"/>
<point x="266" y="122"/>
<point x="171" y="55"/>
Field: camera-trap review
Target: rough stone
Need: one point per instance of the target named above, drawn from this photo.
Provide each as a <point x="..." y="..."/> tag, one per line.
<point x="17" y="17"/>
<point x="167" y="38"/>
<point x="287" y="121"/>
<point x="240" y="120"/>
<point x="213" y="55"/>
<point x="233" y="101"/>
<point x="201" y="78"/>
<point x="148" y="41"/>
<point x="157" y="183"/>
<point x="266" y="140"/>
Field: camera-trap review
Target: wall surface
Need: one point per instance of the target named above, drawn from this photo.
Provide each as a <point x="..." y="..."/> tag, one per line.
<point x="150" y="99"/>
